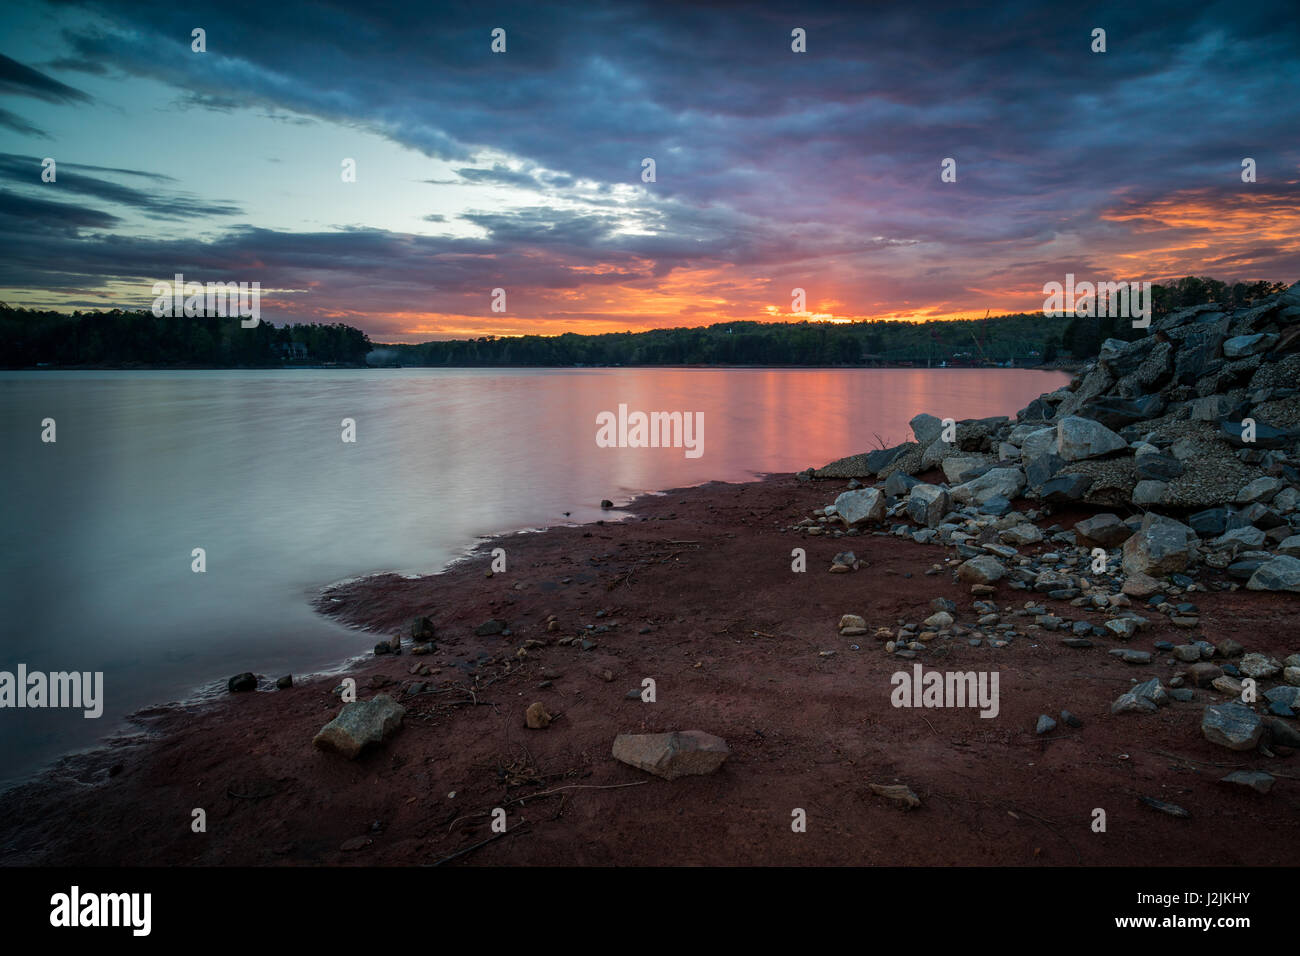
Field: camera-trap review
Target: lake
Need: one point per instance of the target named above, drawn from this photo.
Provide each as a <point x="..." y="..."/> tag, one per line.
<point x="100" y="526"/>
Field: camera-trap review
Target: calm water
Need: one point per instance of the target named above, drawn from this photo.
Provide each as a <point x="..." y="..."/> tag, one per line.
<point x="99" y="527"/>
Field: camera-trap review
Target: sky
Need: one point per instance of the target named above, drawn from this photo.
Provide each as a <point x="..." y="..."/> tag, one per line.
<point x="524" y="170"/>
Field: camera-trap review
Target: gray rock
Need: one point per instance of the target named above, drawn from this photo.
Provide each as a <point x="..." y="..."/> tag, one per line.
<point x="1103" y="531"/>
<point x="1130" y="656"/>
<point x="861" y="506"/>
<point x="1160" y="546"/>
<point x="1232" y="725"/>
<point x="997" y="482"/>
<point x="1258" y="666"/>
<point x="359" y="725"/>
<point x="1262" y="489"/>
<point x="1149" y="492"/>
<point x="672" y="755"/>
<point x="1060" y="489"/>
<point x="926" y="428"/>
<point x="1131" y="703"/>
<point x="927" y="504"/>
<point x="1158" y="467"/>
<point x="1280" y="574"/>
<point x="983" y="569"/>
<point x="1045" y="724"/>
<point x="1256" y="780"/>
<point x="242" y="682"/>
<point x="898" y="484"/>
<point x="1244" y="345"/>
<point x="1081" y="438"/>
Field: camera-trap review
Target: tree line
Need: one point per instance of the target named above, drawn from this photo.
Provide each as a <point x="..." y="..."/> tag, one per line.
<point x="30" y="338"/>
<point x="118" y="339"/>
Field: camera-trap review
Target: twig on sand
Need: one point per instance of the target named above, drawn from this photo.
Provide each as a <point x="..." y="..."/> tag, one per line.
<point x="481" y="843"/>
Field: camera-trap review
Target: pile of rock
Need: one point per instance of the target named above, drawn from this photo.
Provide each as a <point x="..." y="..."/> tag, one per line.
<point x="1195" y="427"/>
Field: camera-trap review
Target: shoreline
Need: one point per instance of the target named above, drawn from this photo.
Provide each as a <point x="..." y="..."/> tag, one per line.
<point x="736" y="642"/>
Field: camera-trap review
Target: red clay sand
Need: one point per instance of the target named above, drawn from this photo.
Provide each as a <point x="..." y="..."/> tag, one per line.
<point x="733" y="646"/>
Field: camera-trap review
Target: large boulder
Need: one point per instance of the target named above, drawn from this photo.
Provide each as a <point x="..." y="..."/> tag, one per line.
<point x="1232" y="725"/>
<point x="672" y="755"/>
<point x="926" y="428"/>
<point x="983" y="569"/>
<point x="360" y="724"/>
<point x="927" y="504"/>
<point x="1079" y="438"/>
<point x="996" y="482"/>
<point x="1160" y="546"/>
<point x="1280" y="574"/>
<point x="1102" y="531"/>
<point x="882" y="457"/>
<point x="860" y="506"/>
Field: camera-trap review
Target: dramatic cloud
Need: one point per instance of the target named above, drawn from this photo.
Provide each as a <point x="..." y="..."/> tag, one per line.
<point x="773" y="169"/>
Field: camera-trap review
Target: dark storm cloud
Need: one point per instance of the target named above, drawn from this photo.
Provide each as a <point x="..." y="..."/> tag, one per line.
<point x="21" y="80"/>
<point x="27" y="170"/>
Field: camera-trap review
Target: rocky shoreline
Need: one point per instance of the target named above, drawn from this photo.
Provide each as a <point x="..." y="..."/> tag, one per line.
<point x="743" y="674"/>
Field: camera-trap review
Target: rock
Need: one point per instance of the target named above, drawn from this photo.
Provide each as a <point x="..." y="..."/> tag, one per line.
<point x="1280" y="574"/>
<point x="898" y="484"/>
<point x="927" y="504"/>
<point x="1140" y="585"/>
<point x="359" y="725"/>
<point x="1262" y="489"/>
<point x="926" y="428"/>
<point x="1153" y="691"/>
<point x="1266" y="436"/>
<point x="983" y="569"/>
<point x="1115" y="413"/>
<point x="859" y="507"/>
<point x="1122" y="627"/>
<point x="607" y="504"/>
<point x="242" y="682"/>
<point x="1160" y="546"/>
<point x="1244" y="345"/>
<point x="1147" y="493"/>
<point x="536" y="717"/>
<point x="488" y="628"/>
<point x="1187" y="653"/>
<point x="285" y="682"/>
<point x="1258" y="666"/>
<point x="1282" y="732"/>
<point x="1173" y="809"/>
<point x="1021" y="534"/>
<point x="1246" y="538"/>
<point x="422" y="629"/>
<point x="1292" y="676"/>
<point x="672" y="755"/>
<point x="1130" y="656"/>
<point x="1290" y="546"/>
<point x="1203" y="674"/>
<point x="882" y="458"/>
<point x="1061" y="489"/>
<point x="1045" y="724"/>
<point x="1284" y="695"/>
<point x="1256" y="780"/>
<point x="852" y="621"/>
<point x="1070" y="720"/>
<point x="1131" y="703"/>
<point x="1232" y="725"/>
<point x="1081" y="438"/>
<point x="1158" y="467"/>
<point x="938" y="621"/>
<point x="999" y="506"/>
<point x="898" y="794"/>
<point x="994" y="483"/>
<point x="1102" y="531"/>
